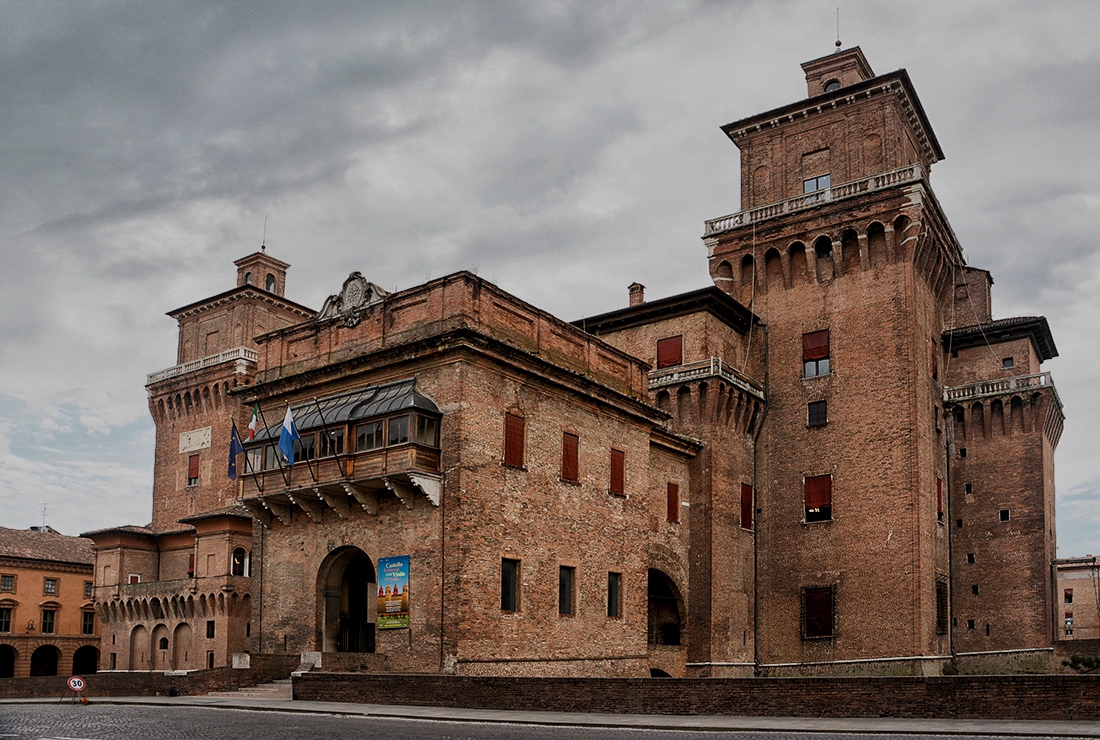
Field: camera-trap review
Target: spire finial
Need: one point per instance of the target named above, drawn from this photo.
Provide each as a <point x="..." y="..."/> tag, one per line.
<point x="263" y="241"/>
<point x="837" y="29"/>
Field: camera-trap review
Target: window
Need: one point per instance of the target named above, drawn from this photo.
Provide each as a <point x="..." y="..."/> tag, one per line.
<point x="1008" y="363"/>
<point x="399" y="430"/>
<point x="1006" y="515"/>
<point x="969" y="488"/>
<point x="614" y="595"/>
<point x="970" y="558"/>
<point x="815" y="353"/>
<point x="5" y="619"/>
<point x="935" y="360"/>
<point x="49" y="621"/>
<point x="618" y="472"/>
<point x="239" y="558"/>
<point x="305" y="447"/>
<point x="248" y="278"/>
<point x="672" y="497"/>
<point x="368" y="436"/>
<point x="88" y="589"/>
<point x="50" y="587"/>
<point x="670" y="351"/>
<point x="817" y="612"/>
<point x="427" y="431"/>
<point x="832" y="85"/>
<point x="134" y="578"/>
<point x="1067" y="596"/>
<point x="7" y="583"/>
<point x="509" y="585"/>
<point x="958" y="524"/>
<point x="1069" y="623"/>
<point x="974" y="589"/>
<point x="209" y="658"/>
<point x="270" y="282"/>
<point x="210" y="629"/>
<point x="193" y="470"/>
<point x="570" y="457"/>
<point x="566" y="581"/>
<point x="513" y="440"/>
<point x="970" y="624"/>
<point x="819" y="498"/>
<point x="941" y="607"/>
<point x="191" y="565"/>
<point x="162" y="644"/>
<point x="332" y="442"/>
<point x="813" y="184"/>
<point x="939" y="500"/>
<point x="962" y="452"/>
<point x="87" y="623"/>
<point x="818" y="413"/>
<point x="746" y="506"/>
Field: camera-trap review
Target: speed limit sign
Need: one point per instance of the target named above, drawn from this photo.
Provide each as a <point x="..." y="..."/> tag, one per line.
<point x="76" y="683"/>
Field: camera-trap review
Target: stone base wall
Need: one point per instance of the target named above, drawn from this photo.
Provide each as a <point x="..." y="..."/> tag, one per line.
<point x="953" y="697"/>
<point x="263" y="668"/>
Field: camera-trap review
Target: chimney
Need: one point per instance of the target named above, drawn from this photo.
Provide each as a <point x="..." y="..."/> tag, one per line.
<point x="637" y="294"/>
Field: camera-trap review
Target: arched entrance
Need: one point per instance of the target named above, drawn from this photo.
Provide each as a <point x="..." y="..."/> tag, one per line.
<point x="665" y="626"/>
<point x="44" y="661"/>
<point x="85" y="660"/>
<point x="348" y="602"/>
<point x="7" y="661"/>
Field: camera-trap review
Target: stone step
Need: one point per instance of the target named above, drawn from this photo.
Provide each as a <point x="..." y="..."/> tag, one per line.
<point x="280" y="689"/>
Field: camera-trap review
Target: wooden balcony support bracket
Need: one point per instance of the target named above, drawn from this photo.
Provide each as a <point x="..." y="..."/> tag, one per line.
<point x="310" y="506"/>
<point x="258" y="512"/>
<point x="367" y="498"/>
<point x="335" y="500"/>
<point x="429" y="484"/>
<point x="281" y="511"/>
<point x="402" y="491"/>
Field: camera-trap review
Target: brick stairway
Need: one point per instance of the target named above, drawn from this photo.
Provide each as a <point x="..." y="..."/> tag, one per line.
<point x="280" y="689"/>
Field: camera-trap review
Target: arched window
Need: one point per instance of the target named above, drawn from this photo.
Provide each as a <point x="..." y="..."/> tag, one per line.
<point x="239" y="558"/>
<point x="248" y="278"/>
<point x="163" y="644"/>
<point x="270" y="282"/>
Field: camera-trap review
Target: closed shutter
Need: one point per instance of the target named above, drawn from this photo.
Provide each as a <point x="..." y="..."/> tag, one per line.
<point x="513" y="440"/>
<point x="819" y="612"/>
<point x="193" y="468"/>
<point x="673" y="502"/>
<point x="570" y="464"/>
<point x="815" y="345"/>
<point x="618" y="471"/>
<point x="746" y="506"/>
<point x="670" y="351"/>
<point x="819" y="491"/>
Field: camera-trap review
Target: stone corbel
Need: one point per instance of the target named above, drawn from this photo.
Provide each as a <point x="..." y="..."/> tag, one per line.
<point x="258" y="512"/>
<point x="429" y="484"/>
<point x="281" y="511"/>
<point x="367" y="499"/>
<point x="339" y="504"/>
<point x="310" y="507"/>
<point x="403" y="492"/>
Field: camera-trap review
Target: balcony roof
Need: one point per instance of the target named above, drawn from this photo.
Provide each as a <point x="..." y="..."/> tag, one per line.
<point x="345" y="408"/>
<point x="1034" y="328"/>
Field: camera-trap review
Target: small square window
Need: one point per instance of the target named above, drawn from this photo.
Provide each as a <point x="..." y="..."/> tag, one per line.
<point x="1067" y="595"/>
<point x="134" y="578"/>
<point x="970" y="558"/>
<point x="817" y="413"/>
<point x="958" y="524"/>
<point x="1008" y="363"/>
<point x="1006" y="515"/>
<point x="814" y="184"/>
<point x="969" y="487"/>
<point x="670" y="352"/>
<point x="88" y="589"/>
<point x="970" y="624"/>
<point x="974" y="589"/>
<point x="566" y="596"/>
<point x="962" y="452"/>
<point x="50" y="588"/>
<point x="7" y="583"/>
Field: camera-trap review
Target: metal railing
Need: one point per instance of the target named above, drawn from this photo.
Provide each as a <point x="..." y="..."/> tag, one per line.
<point x="910" y="173"/>
<point x="237" y="353"/>
<point x="712" y="368"/>
<point x="1000" y="387"/>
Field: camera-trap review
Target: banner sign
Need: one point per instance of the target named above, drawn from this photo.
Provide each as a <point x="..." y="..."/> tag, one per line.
<point x="393" y="593"/>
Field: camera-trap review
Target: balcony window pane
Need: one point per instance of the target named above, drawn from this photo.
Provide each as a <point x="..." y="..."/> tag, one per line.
<point x="399" y="430"/>
<point x="368" y="436"/>
<point x="427" y="430"/>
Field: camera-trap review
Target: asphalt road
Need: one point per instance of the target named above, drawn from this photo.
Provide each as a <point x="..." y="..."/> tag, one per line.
<point x="65" y="721"/>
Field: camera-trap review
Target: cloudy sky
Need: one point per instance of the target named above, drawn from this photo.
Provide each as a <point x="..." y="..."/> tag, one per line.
<point x="559" y="149"/>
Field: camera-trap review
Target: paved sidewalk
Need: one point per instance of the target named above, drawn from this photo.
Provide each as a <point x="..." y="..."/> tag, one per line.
<point x="1033" y="728"/>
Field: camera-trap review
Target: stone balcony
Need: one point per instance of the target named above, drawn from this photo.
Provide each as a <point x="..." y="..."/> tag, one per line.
<point x="910" y="174"/>
<point x="712" y="368"/>
<point x="1001" y="387"/>
<point x="241" y="355"/>
<point x="175" y="587"/>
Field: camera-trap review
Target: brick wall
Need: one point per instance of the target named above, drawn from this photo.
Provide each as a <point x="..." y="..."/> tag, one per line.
<point x="959" y="697"/>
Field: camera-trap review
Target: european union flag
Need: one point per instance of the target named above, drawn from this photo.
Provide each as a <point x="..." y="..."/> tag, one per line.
<point x="235" y="448"/>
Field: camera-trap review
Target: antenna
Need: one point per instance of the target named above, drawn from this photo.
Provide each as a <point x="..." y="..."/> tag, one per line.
<point x="838" y="28"/>
<point x="43" y="514"/>
<point x="263" y="241"/>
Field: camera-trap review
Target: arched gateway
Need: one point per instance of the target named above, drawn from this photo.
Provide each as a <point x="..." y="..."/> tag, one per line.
<point x="347" y="604"/>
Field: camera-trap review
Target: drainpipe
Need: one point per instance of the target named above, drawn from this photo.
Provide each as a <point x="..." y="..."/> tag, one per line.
<point x="756" y="514"/>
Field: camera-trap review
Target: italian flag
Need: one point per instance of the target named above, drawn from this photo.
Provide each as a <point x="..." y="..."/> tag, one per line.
<point x="255" y="423"/>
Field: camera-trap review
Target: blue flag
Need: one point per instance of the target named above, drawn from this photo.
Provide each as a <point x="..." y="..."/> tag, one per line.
<point x="235" y="448"/>
<point x="287" y="437"/>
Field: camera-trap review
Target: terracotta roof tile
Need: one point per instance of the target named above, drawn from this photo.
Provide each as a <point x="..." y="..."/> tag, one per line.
<point x="30" y="544"/>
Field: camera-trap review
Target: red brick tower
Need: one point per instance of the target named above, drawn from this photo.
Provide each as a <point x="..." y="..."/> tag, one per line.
<point x="844" y="253"/>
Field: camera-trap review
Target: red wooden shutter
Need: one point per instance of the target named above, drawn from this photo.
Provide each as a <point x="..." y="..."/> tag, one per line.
<point x="939" y="497"/>
<point x="815" y="345"/>
<point x="618" y="471"/>
<point x="670" y="351"/>
<point x="570" y="465"/>
<point x="673" y="502"/>
<point x="819" y="491"/>
<point x="513" y="440"/>
<point x="193" y="467"/>
<point x="191" y="565"/>
<point x="746" y="506"/>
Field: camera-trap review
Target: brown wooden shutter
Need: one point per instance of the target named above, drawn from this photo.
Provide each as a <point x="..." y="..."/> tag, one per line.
<point x="939" y="497"/>
<point x="191" y="565"/>
<point x="746" y="506"/>
<point x="193" y="467"/>
<point x="570" y="465"/>
<point x="819" y="491"/>
<point x="513" y="440"/>
<point x="618" y="471"/>
<point x="819" y="612"/>
<point x="670" y="351"/>
<point x="673" y="502"/>
<point x="815" y="345"/>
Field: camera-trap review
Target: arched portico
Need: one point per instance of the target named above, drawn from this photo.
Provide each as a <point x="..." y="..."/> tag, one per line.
<point x="44" y="661"/>
<point x="347" y="604"/>
<point x="7" y="661"/>
<point x="665" y="625"/>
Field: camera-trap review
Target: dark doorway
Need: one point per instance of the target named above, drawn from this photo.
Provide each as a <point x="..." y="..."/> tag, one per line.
<point x="85" y="660"/>
<point x="665" y="621"/>
<point x="349" y="594"/>
<point x="7" y="661"/>
<point x="44" y="661"/>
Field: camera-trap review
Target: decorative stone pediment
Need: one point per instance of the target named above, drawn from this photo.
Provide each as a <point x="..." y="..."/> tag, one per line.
<point x="357" y="294"/>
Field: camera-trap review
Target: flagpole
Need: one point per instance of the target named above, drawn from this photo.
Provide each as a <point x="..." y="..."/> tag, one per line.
<point x="324" y="428"/>
<point x="267" y="429"/>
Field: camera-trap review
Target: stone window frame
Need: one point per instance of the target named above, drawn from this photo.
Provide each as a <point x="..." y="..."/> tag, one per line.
<point x="48" y="621"/>
<point x="11" y="579"/>
<point x="817" y="414"/>
<point x="51" y="586"/>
